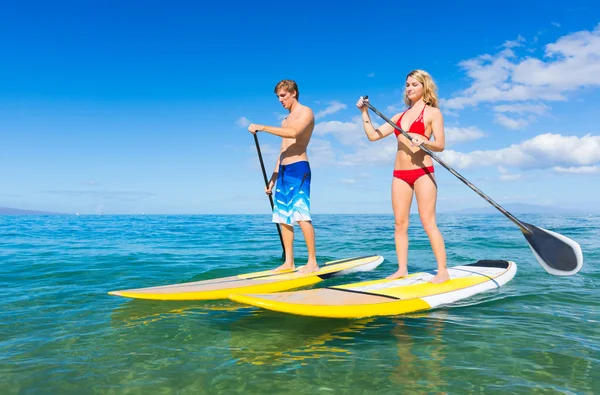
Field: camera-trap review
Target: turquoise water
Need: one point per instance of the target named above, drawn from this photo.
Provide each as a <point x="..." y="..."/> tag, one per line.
<point x="60" y="333"/>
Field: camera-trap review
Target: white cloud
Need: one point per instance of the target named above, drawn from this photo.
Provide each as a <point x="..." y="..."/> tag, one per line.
<point x="243" y="122"/>
<point x="524" y="108"/>
<point x="510" y="177"/>
<point x="568" y="64"/>
<point x="510" y="123"/>
<point x="506" y="176"/>
<point x="381" y="152"/>
<point x="348" y="181"/>
<point x="577" y="169"/>
<point x="334" y="106"/>
<point x="541" y="152"/>
<point x="371" y="75"/>
<point x="516" y="43"/>
<point x="518" y="123"/>
<point x="352" y="134"/>
<point x="555" y="24"/>
<point x="574" y="61"/>
<point x="347" y="133"/>
<point x="321" y="153"/>
<point x="395" y="108"/>
<point x="455" y="134"/>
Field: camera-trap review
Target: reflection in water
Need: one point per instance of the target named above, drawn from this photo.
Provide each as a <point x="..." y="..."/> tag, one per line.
<point x="421" y="351"/>
<point x="275" y="339"/>
<point x="135" y="313"/>
<point x="388" y="353"/>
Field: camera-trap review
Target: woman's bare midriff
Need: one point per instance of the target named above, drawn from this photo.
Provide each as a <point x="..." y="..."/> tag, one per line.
<point x="409" y="157"/>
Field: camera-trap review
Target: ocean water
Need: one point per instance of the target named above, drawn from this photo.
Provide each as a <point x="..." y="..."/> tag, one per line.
<point x="61" y="333"/>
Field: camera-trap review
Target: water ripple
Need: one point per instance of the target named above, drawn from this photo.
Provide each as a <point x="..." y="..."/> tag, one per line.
<point x="61" y="333"/>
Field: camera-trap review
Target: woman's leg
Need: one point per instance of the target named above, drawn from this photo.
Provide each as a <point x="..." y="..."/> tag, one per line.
<point x="426" y="192"/>
<point x="402" y="195"/>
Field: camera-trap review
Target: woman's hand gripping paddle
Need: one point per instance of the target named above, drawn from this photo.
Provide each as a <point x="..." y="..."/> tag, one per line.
<point x="557" y="254"/>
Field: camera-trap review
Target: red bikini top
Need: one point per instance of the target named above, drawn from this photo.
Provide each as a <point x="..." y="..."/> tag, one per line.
<point x="417" y="127"/>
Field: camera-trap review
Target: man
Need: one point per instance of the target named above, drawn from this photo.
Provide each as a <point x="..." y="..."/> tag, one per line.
<point x="291" y="176"/>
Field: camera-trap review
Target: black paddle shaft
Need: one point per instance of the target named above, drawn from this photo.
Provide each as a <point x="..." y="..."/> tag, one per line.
<point x="262" y="166"/>
<point x="521" y="225"/>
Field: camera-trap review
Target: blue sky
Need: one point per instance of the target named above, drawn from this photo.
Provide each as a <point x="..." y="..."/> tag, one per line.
<point x="140" y="108"/>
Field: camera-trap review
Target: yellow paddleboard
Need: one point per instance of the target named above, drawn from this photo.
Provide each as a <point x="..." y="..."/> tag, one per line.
<point x="387" y="297"/>
<point x="265" y="281"/>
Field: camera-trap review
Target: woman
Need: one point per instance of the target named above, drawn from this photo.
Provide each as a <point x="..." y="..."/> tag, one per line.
<point x="413" y="170"/>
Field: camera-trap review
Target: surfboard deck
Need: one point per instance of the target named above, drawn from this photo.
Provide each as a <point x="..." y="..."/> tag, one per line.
<point x="263" y="282"/>
<point x="387" y="297"/>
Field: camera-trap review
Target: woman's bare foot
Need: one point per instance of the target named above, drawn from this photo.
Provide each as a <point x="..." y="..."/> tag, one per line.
<point x="285" y="267"/>
<point x="399" y="274"/>
<point x="309" y="268"/>
<point x="441" y="277"/>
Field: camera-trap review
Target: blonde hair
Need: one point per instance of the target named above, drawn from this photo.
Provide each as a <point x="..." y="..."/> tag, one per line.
<point x="429" y="88"/>
<point x="289" y="86"/>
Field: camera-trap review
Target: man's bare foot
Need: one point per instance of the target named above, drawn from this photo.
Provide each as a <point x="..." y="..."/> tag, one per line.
<point x="309" y="268"/>
<point x="399" y="274"/>
<point x="441" y="277"/>
<point x="285" y="267"/>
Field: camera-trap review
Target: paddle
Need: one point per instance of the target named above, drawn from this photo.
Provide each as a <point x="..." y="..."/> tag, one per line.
<point x="557" y="254"/>
<point x="262" y="166"/>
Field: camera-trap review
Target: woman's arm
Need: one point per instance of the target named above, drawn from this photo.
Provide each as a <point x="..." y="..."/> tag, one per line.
<point x="437" y="126"/>
<point x="372" y="133"/>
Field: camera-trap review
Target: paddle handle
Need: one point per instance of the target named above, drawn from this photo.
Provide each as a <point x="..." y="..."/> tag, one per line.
<point x="520" y="224"/>
<point x="264" y="173"/>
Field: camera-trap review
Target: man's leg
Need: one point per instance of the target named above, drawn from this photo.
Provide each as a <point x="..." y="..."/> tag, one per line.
<point x="287" y="234"/>
<point x="309" y="237"/>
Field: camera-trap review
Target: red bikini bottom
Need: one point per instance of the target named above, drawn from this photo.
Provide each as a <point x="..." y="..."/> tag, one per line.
<point x="410" y="176"/>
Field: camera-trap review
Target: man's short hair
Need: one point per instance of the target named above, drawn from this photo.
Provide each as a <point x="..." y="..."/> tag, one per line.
<point x="289" y="86"/>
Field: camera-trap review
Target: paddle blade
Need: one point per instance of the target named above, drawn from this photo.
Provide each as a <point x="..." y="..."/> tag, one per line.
<point x="557" y="254"/>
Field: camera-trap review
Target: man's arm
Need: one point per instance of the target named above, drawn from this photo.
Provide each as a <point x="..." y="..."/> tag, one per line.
<point x="292" y="130"/>
<point x="276" y="170"/>
<point x="275" y="174"/>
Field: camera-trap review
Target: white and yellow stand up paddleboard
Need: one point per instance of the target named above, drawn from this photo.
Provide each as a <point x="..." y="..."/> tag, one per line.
<point x="387" y="297"/>
<point x="265" y="281"/>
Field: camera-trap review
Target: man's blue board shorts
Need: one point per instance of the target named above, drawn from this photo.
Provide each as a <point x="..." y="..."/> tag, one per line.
<point x="292" y="193"/>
